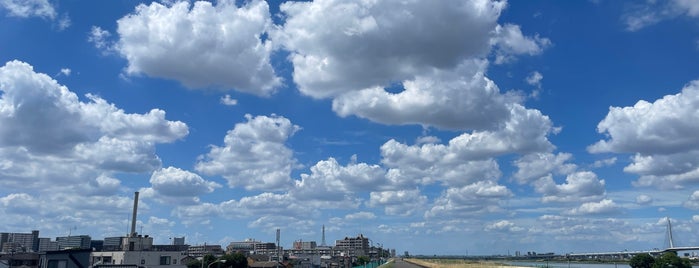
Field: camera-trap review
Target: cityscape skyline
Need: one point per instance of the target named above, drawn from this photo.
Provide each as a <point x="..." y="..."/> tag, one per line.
<point x="434" y="127"/>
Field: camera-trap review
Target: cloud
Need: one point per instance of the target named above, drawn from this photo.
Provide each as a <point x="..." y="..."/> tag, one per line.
<point x="429" y="163"/>
<point x="71" y="151"/>
<point x="401" y="203"/>
<point x="64" y="72"/>
<point x="640" y="16"/>
<point x="534" y="79"/>
<point x="503" y="226"/>
<point x="226" y="100"/>
<point x="362" y="215"/>
<point x="604" y="162"/>
<point x="644" y="199"/>
<point x="174" y="184"/>
<point x="477" y="198"/>
<point x="254" y="155"/>
<point x="533" y="166"/>
<point x="604" y="207"/>
<point x="202" y="46"/>
<point x="67" y="139"/>
<point x="459" y="99"/>
<point x="509" y="41"/>
<point x="662" y="136"/>
<point x="329" y="181"/>
<point x="98" y="37"/>
<point x="693" y="201"/>
<point x="339" y="46"/>
<point x="357" y="53"/>
<point x="581" y="186"/>
<point x="29" y="8"/>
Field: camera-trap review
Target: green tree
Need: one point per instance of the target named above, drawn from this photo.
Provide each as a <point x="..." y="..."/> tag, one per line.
<point x="235" y="260"/>
<point x="361" y="260"/>
<point x="642" y="261"/>
<point x="194" y="264"/>
<point x="671" y="260"/>
<point x="207" y="259"/>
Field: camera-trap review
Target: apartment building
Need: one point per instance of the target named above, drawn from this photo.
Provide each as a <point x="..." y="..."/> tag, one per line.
<point x="19" y="242"/>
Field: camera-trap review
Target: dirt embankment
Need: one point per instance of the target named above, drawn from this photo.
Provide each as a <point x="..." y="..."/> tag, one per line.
<point x="449" y="263"/>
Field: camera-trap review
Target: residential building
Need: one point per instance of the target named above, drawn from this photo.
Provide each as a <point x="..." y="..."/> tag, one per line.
<point x="202" y="250"/>
<point x="74" y="242"/>
<point x="353" y="246"/>
<point x="150" y="259"/>
<point x="72" y="258"/>
<point x="21" y="242"/>
<point x="45" y="244"/>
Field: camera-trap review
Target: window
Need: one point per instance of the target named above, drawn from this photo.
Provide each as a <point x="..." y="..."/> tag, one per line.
<point x="164" y="260"/>
<point x="174" y="261"/>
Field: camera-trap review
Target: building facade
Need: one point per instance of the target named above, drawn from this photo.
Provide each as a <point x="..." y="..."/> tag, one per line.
<point x="74" y="242"/>
<point x="45" y="244"/>
<point x="20" y="242"/>
<point x="353" y="246"/>
<point x="150" y="259"/>
<point x="203" y="250"/>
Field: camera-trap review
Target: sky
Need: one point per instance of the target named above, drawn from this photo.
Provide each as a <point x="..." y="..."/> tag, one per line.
<point x="434" y="127"/>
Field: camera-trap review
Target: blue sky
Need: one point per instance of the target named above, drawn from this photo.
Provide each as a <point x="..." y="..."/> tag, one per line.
<point x="433" y="127"/>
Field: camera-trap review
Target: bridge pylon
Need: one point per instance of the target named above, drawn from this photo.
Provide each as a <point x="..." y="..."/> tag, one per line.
<point x="668" y="234"/>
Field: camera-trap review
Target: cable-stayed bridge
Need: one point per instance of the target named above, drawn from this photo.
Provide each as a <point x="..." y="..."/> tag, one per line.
<point x="628" y="254"/>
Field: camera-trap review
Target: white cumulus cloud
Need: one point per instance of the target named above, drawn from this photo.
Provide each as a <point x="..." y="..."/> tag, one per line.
<point x="172" y="183"/>
<point x="338" y="46"/>
<point x="254" y="154"/>
<point x="200" y="45"/>
<point x="662" y="134"/>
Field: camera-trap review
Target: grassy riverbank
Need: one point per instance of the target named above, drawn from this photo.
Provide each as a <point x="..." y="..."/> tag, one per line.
<point x="456" y="263"/>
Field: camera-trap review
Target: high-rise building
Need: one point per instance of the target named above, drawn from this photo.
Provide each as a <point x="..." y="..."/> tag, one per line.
<point x="112" y="243"/>
<point x="27" y="242"/>
<point x="178" y="241"/>
<point x="45" y="244"/>
<point x="74" y="242"/>
<point x="355" y="246"/>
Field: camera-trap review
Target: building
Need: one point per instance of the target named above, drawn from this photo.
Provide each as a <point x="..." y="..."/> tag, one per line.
<point x="74" y="242"/>
<point x="136" y="243"/>
<point x="20" y="242"/>
<point x="111" y="243"/>
<point x="201" y="251"/>
<point x="252" y="247"/>
<point x="72" y="258"/>
<point x="178" y="241"/>
<point x="353" y="246"/>
<point x="23" y="260"/>
<point x="304" y="245"/>
<point x="135" y="259"/>
<point x="247" y="246"/>
<point x="45" y="244"/>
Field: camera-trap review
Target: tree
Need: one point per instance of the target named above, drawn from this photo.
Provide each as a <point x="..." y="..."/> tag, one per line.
<point x="642" y="261"/>
<point x="235" y="260"/>
<point x="207" y="259"/>
<point x="361" y="260"/>
<point x="671" y="260"/>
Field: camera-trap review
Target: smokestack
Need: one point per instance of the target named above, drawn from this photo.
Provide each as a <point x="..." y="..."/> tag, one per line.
<point x="133" y="218"/>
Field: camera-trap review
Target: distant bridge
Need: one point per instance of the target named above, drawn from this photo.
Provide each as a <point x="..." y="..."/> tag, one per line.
<point x="629" y="254"/>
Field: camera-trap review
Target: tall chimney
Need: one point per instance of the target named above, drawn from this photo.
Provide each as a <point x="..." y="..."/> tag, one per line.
<point x="133" y="218"/>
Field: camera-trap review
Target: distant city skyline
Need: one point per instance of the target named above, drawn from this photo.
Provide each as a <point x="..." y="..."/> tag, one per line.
<point x="433" y="127"/>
